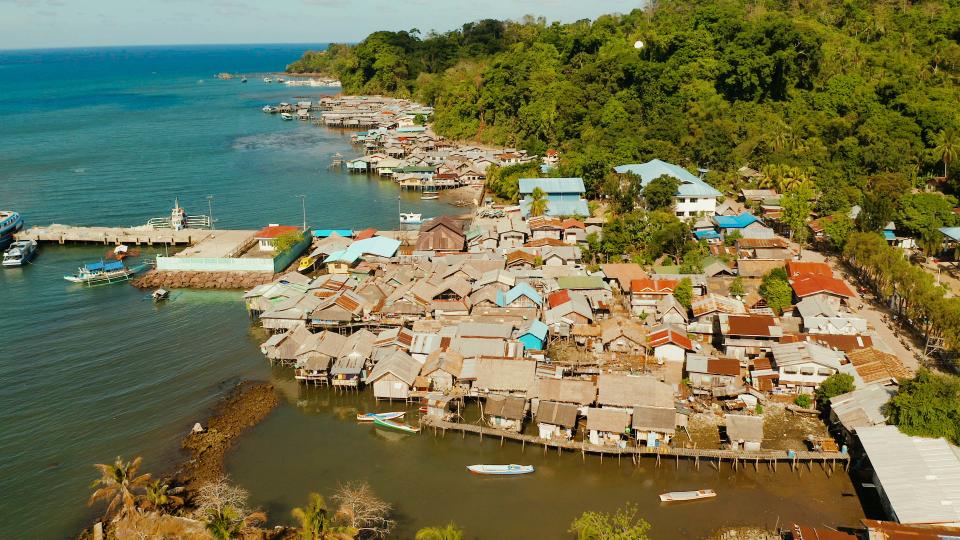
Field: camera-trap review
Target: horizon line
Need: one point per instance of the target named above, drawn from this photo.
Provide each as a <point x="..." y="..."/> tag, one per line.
<point x="171" y="45"/>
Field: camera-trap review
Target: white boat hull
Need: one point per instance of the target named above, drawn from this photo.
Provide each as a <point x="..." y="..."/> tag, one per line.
<point x="680" y="496"/>
<point x="500" y="470"/>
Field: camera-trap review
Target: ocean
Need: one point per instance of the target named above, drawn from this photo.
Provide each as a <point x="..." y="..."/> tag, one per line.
<point x="113" y="136"/>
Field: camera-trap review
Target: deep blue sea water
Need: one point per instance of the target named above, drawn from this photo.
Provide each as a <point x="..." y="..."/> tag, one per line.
<point x="112" y="137"/>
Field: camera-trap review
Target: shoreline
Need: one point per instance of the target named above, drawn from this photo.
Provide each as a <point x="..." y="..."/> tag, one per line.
<point x="245" y="406"/>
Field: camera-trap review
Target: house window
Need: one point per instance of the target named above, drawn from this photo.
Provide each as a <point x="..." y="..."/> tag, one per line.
<point x="790" y="371"/>
<point x="806" y="371"/>
<point x="824" y="372"/>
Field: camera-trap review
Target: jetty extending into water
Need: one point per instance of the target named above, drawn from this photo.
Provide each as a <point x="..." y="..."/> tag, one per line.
<point x="63" y="234"/>
<point x="715" y="456"/>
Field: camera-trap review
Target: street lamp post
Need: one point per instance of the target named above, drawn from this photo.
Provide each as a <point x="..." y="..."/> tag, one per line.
<point x="210" y="210"/>
<point x="303" y="205"/>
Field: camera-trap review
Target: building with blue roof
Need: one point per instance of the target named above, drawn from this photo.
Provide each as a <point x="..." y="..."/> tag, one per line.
<point x="694" y="196"/>
<point x="564" y="196"/>
<point x="744" y="220"/>
<point x="339" y="262"/>
<point x="521" y="295"/>
<point x="533" y="336"/>
<point x="324" y="233"/>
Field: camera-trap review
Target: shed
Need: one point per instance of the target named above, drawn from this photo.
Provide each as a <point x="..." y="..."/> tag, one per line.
<point x="744" y="432"/>
<point x="533" y="336"/>
<point x="556" y="420"/>
<point x="607" y="427"/>
<point x="393" y="376"/>
<point x="654" y="425"/>
<point x="505" y="412"/>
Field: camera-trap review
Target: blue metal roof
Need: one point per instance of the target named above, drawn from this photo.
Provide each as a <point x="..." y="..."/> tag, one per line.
<point x="890" y="235"/>
<point x="113" y="265"/>
<point x="344" y="255"/>
<point x="951" y="232"/>
<point x="324" y="233"/>
<point x="538" y="330"/>
<point x="690" y="185"/>
<point x="707" y="234"/>
<point x="94" y="267"/>
<point x="556" y="208"/>
<point x="380" y="246"/>
<point x="735" y="222"/>
<point x="552" y="185"/>
<point x="520" y="289"/>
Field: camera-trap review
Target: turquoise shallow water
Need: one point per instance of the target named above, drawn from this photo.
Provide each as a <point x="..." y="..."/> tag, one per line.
<point x="111" y="137"/>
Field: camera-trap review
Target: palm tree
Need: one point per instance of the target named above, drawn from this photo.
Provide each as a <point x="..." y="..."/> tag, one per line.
<point x="316" y="523"/>
<point x="117" y="483"/>
<point x="450" y="532"/>
<point x="226" y="522"/>
<point x="160" y="495"/>
<point x="538" y="202"/>
<point x="947" y="147"/>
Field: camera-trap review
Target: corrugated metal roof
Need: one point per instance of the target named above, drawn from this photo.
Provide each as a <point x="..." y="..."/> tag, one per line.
<point x="552" y="185"/>
<point x="690" y="186"/>
<point x="920" y="477"/>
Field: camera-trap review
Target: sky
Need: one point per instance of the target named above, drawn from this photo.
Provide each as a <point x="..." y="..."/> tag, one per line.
<point x="87" y="23"/>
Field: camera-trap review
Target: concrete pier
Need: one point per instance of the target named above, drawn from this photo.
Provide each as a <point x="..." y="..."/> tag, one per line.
<point x="63" y="234"/>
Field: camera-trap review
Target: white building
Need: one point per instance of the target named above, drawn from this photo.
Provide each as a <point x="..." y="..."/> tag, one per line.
<point x="694" y="196"/>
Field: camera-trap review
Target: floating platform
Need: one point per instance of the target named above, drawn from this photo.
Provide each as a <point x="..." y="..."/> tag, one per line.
<point x="63" y="234"/>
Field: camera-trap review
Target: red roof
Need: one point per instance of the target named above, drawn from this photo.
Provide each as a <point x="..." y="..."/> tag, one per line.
<point x="817" y="283"/>
<point x="653" y="286"/>
<point x="558" y="298"/>
<point x="723" y="366"/>
<point x="364" y="234"/>
<point x="571" y="223"/>
<point x="274" y="231"/>
<point x="807" y="268"/>
<point x="551" y="152"/>
<point x="669" y="335"/>
<point x="751" y="325"/>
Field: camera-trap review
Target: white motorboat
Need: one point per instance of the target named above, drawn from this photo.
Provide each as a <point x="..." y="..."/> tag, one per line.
<point x="20" y="253"/>
<point x="160" y="295"/>
<point x="267" y="80"/>
<point x="286" y="116"/>
<point x="269" y="109"/>
<point x="409" y="218"/>
<point x="429" y="196"/>
<point x="679" y="496"/>
<point x="511" y="469"/>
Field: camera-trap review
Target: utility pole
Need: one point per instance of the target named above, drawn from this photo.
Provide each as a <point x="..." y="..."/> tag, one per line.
<point x="210" y="210"/>
<point x="303" y="205"/>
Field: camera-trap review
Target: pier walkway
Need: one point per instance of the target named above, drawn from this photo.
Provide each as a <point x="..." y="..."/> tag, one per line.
<point x="63" y="234"/>
<point x="737" y="458"/>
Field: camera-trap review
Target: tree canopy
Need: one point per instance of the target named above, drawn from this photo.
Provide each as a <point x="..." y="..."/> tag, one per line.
<point x="927" y="405"/>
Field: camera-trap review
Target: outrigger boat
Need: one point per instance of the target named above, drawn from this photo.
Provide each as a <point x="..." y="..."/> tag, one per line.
<point x="395" y="425"/>
<point x="103" y="273"/>
<point x="679" y="496"/>
<point x="371" y="416"/>
<point x="500" y="469"/>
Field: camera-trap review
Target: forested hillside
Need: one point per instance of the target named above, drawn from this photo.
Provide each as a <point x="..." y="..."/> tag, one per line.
<point x="827" y="90"/>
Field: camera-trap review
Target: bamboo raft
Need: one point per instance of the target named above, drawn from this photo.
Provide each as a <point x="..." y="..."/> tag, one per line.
<point x="737" y="458"/>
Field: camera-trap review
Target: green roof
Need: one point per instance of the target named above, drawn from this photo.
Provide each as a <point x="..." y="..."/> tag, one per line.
<point x="580" y="282"/>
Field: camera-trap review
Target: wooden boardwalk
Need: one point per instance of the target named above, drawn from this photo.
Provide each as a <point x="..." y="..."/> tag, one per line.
<point x="715" y="456"/>
<point x="63" y="234"/>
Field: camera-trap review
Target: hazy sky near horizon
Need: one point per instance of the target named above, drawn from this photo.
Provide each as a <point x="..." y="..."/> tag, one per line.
<point x="76" y="23"/>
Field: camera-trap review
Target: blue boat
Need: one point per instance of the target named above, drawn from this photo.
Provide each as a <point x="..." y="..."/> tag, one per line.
<point x="500" y="469"/>
<point x="10" y="224"/>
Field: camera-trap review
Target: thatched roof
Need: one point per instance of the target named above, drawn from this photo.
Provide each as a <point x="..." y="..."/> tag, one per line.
<point x="744" y="428"/>
<point x="565" y="390"/>
<point x="657" y="419"/>
<point x="505" y="375"/>
<point x="612" y="420"/>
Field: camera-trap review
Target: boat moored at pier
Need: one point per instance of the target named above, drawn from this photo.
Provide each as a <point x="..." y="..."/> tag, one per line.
<point x="680" y="496"/>
<point x="20" y="253"/>
<point x="10" y="224"/>
<point x="103" y="273"/>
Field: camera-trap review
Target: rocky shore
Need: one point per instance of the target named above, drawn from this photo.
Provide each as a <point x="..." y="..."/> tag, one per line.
<point x="202" y="280"/>
<point x="248" y="404"/>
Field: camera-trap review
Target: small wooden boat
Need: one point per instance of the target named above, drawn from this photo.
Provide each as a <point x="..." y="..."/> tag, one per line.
<point x="160" y="295"/>
<point x="500" y="469"/>
<point x="679" y="496"/>
<point x="429" y="196"/>
<point x="395" y="425"/>
<point x="369" y="417"/>
<point x="286" y="116"/>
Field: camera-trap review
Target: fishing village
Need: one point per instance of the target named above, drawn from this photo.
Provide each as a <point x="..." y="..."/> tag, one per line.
<point x="495" y="324"/>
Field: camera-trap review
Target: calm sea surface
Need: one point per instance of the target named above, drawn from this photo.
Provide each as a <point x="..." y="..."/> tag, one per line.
<point x="111" y="137"/>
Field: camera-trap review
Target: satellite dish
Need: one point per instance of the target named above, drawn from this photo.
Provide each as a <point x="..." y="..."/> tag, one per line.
<point x="638" y="44"/>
